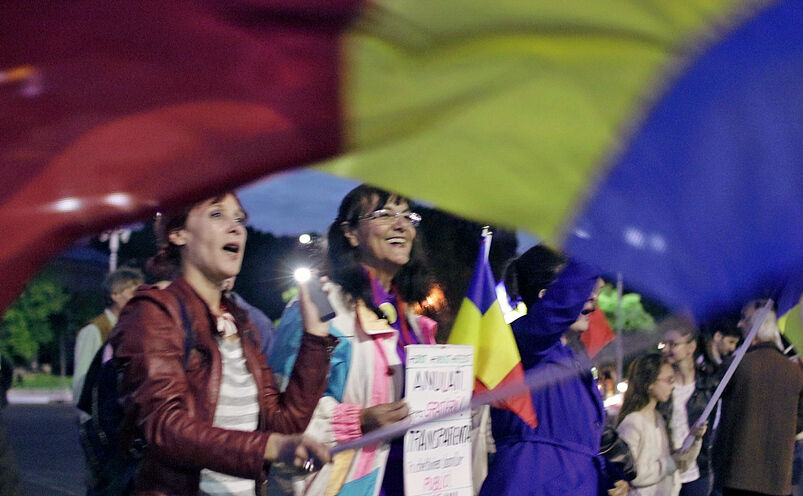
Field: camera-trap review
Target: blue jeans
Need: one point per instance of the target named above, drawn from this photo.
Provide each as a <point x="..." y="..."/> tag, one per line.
<point x="797" y="467"/>
<point x="699" y="487"/>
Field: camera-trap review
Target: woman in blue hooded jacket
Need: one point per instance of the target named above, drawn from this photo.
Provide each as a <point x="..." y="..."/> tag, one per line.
<point x="560" y="455"/>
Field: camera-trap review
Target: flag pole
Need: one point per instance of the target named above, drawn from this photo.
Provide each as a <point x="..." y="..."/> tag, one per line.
<point x="620" y="335"/>
<point x="487" y="235"/>
<point x="534" y="380"/>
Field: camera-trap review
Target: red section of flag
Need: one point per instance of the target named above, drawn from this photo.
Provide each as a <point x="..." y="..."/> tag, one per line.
<point x="521" y="404"/>
<point x="112" y="110"/>
<point x="599" y="333"/>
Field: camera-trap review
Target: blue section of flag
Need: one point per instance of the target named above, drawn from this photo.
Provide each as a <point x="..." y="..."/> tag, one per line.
<point x="704" y="208"/>
<point x="789" y="296"/>
<point x="481" y="290"/>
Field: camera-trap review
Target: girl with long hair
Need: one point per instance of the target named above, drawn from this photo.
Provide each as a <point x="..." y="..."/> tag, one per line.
<point x="194" y="384"/>
<point x="650" y="381"/>
<point x="695" y="383"/>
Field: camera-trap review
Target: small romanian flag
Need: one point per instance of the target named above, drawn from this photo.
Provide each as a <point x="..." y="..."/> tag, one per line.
<point x="481" y="323"/>
<point x="599" y="333"/>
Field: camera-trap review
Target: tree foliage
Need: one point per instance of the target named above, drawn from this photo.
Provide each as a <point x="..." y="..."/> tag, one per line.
<point x="25" y="326"/>
<point x="634" y="317"/>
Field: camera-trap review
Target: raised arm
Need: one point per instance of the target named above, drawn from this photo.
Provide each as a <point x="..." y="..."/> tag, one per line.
<point x="556" y="310"/>
<point x="330" y="410"/>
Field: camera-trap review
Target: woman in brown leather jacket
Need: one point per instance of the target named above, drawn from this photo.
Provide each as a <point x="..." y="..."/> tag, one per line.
<point x="212" y="417"/>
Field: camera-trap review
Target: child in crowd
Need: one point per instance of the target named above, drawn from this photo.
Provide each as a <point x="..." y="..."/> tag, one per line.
<point x="651" y="381"/>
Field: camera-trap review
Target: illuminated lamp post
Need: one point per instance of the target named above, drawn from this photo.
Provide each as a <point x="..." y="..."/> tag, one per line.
<point x="115" y="237"/>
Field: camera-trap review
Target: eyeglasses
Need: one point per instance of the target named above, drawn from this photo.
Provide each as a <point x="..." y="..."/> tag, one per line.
<point x="385" y="216"/>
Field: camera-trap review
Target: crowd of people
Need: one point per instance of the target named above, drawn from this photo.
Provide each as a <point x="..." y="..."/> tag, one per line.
<point x="746" y="444"/>
<point x="224" y="404"/>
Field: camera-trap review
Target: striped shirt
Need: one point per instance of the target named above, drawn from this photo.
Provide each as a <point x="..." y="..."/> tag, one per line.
<point x="237" y="409"/>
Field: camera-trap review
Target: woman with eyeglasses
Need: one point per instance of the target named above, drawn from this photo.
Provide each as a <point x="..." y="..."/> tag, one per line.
<point x="377" y="272"/>
<point x="650" y="381"/>
<point x="194" y="383"/>
<point x="695" y="382"/>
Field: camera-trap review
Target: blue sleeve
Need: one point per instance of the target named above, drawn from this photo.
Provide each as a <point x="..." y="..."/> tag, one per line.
<point x="559" y="307"/>
<point x="339" y="366"/>
<point x="287" y="341"/>
<point x="265" y="328"/>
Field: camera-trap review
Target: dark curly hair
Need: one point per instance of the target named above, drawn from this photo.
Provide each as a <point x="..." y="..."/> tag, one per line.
<point x="412" y="282"/>
<point x="642" y="373"/>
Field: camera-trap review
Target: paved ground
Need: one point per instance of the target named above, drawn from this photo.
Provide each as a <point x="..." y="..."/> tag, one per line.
<point x="45" y="441"/>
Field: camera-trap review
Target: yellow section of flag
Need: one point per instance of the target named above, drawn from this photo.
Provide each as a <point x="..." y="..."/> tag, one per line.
<point x="495" y="350"/>
<point x="791" y="325"/>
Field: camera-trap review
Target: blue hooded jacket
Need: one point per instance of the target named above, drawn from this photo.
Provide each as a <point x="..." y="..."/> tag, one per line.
<point x="559" y="456"/>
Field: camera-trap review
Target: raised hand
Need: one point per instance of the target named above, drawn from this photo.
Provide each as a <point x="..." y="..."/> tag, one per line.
<point x="699" y="431"/>
<point x="309" y="311"/>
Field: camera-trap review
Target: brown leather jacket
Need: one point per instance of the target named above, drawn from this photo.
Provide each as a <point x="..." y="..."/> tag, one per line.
<point x="173" y="408"/>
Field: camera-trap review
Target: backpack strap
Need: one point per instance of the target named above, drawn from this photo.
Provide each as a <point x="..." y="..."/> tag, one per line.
<point x="85" y="401"/>
<point x="248" y="328"/>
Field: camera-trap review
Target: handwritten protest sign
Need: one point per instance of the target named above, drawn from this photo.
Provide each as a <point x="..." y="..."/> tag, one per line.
<point x="437" y="455"/>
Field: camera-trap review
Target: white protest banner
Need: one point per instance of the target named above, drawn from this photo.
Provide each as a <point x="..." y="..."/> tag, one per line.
<point x="437" y="455"/>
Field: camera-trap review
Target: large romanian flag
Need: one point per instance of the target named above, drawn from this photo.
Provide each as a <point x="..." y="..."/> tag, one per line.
<point x="481" y="323"/>
<point x="657" y="138"/>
